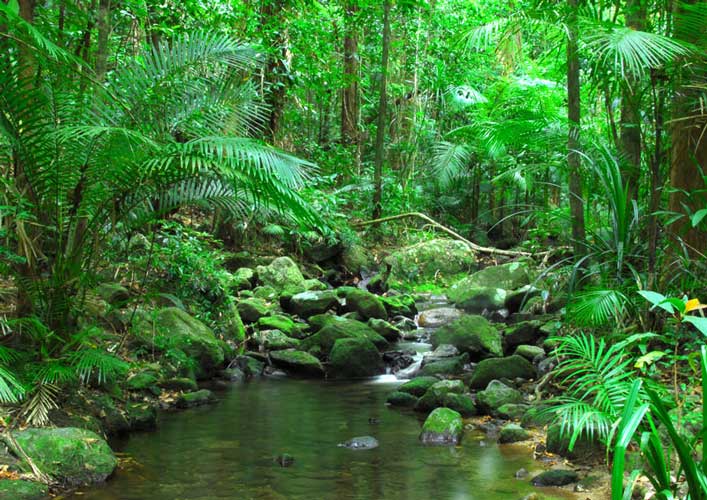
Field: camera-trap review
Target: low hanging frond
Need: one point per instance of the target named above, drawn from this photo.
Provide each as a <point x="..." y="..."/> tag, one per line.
<point x="597" y="307"/>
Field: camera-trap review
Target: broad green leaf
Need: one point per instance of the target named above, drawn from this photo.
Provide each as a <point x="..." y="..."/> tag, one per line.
<point x="698" y="216"/>
<point x="657" y="299"/>
<point x="698" y="322"/>
<point x="648" y="359"/>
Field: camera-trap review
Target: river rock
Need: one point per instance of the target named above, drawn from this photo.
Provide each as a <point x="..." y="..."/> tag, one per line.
<point x="280" y="274"/>
<point x="525" y="332"/>
<point x="275" y="340"/>
<point x="529" y="352"/>
<point x="385" y="329"/>
<point x="360" y="443"/>
<point x="267" y="293"/>
<point x="336" y="328"/>
<point x="471" y="334"/>
<point x="146" y="380"/>
<point x="512" y="433"/>
<point x="442" y="426"/>
<point x="398" y="360"/>
<point x="310" y="303"/>
<point x="196" y="398"/>
<point x="366" y="304"/>
<point x="252" y="309"/>
<point x="496" y="395"/>
<point x="72" y="456"/>
<point x="178" y="384"/>
<point x="443" y="351"/>
<point x="584" y="449"/>
<point x="141" y="416"/>
<point x="434" y="261"/>
<point x="242" y="279"/>
<point x="179" y="330"/>
<point x="461" y="403"/>
<point x="283" y="323"/>
<point x="516" y="299"/>
<point x="297" y="362"/>
<point x="233" y="326"/>
<point x="22" y="490"/>
<point x="353" y="358"/>
<point x="555" y="477"/>
<point x="434" y="396"/>
<point x="510" y="368"/>
<point x="400" y="305"/>
<point x="114" y="294"/>
<point x="445" y="367"/>
<point x="478" y="299"/>
<point x="399" y="398"/>
<point x="434" y="318"/>
<point x="512" y="411"/>
<point x="355" y="259"/>
<point x="509" y="276"/>
<point x="418" y="386"/>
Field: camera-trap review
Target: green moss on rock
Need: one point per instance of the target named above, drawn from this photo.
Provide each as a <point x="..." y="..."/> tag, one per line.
<point x="512" y="433"/>
<point x="341" y="328"/>
<point x="443" y="426"/>
<point x="418" y="386"/>
<point x="403" y="399"/>
<point x="298" y="362"/>
<point x="281" y="273"/>
<point x="70" y="455"/>
<point x="471" y="334"/>
<point x="352" y="358"/>
<point x="510" y="367"/>
<point x="434" y="261"/>
<point x="445" y="367"/>
<point x="366" y="304"/>
<point x="22" y="490"/>
<point x="196" y="398"/>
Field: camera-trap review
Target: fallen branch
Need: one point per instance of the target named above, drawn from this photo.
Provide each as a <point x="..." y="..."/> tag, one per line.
<point x="455" y="235"/>
<point x="10" y="441"/>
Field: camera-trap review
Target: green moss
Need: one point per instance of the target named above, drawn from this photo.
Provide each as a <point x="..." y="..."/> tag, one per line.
<point x="446" y="366"/>
<point x="352" y="358"/>
<point x="22" y="490"/>
<point x="443" y="426"/>
<point x="404" y="399"/>
<point x="336" y="328"/>
<point x="298" y="362"/>
<point x="434" y="261"/>
<point x="512" y="433"/>
<point x="72" y="456"/>
<point x="497" y="394"/>
<point x="510" y="367"/>
<point x="461" y="403"/>
<point x="471" y="334"/>
<point x="281" y="273"/>
<point x="196" y="398"/>
<point x="366" y="304"/>
<point x="280" y="322"/>
<point x="418" y="386"/>
<point x="178" y="384"/>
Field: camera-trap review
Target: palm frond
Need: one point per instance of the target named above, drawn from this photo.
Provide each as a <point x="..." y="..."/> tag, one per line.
<point x="597" y="307"/>
<point x="450" y="161"/>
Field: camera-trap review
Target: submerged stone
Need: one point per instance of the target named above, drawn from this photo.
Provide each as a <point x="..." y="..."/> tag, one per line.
<point x="360" y="443"/>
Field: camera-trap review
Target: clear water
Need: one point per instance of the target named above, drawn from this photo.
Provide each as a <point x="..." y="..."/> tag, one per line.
<point x="227" y="451"/>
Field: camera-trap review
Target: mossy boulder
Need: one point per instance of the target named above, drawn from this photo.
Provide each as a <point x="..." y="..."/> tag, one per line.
<point x="242" y="279"/>
<point x="275" y="340"/>
<point x="267" y="293"/>
<point x="306" y="304"/>
<point x="509" y="276"/>
<point x="477" y="299"/>
<point x="283" y="323"/>
<point x="234" y="329"/>
<point x="252" y="309"/>
<point x="516" y="299"/>
<point x="529" y="352"/>
<point x="434" y="396"/>
<point x="146" y="380"/>
<point x="555" y="477"/>
<point x="22" y="490"/>
<point x="341" y="328"/>
<point x="298" y="363"/>
<point x="445" y="367"/>
<point x="196" y="398"/>
<point x="418" y="386"/>
<point x="512" y="433"/>
<point x="461" y="403"/>
<point x="470" y="334"/>
<point x="510" y="367"/>
<point x="114" y="294"/>
<point x="512" y="411"/>
<point x="141" y="416"/>
<point x="352" y="358"/>
<point x="442" y="427"/>
<point x="403" y="399"/>
<point x="585" y="449"/>
<point x="281" y="273"/>
<point x="524" y="332"/>
<point x="496" y="395"/>
<point x="355" y="259"/>
<point x="178" y="384"/>
<point x="400" y="305"/>
<point x="314" y="285"/>
<point x="384" y="329"/>
<point x="366" y="304"/>
<point x="72" y="456"/>
<point x="193" y="337"/>
<point x="434" y="261"/>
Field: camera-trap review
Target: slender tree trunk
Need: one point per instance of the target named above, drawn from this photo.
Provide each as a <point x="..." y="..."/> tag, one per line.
<point x="276" y="37"/>
<point x="104" y="27"/>
<point x="656" y="161"/>
<point x="688" y="162"/>
<point x="382" y="116"/>
<point x="350" y="95"/>
<point x="573" y="144"/>
<point x="630" y="144"/>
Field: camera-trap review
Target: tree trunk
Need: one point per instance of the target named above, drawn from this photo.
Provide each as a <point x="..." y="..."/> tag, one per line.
<point x="276" y="37"/>
<point x="104" y="27"/>
<point x="630" y="144"/>
<point x="350" y="96"/>
<point x="688" y="162"/>
<point x="573" y="144"/>
<point x="382" y="116"/>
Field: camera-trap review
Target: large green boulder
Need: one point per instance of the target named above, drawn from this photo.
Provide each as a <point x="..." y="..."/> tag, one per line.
<point x="524" y="332"/>
<point x="341" y="328"/>
<point x="114" y="294"/>
<point x="172" y="327"/>
<point x="196" y="398"/>
<point x="418" y="386"/>
<point x="384" y="329"/>
<point x="234" y="329"/>
<point x="72" y="456"/>
<point x="510" y="367"/>
<point x="353" y="358"/>
<point x="584" y="450"/>
<point x="403" y="399"/>
<point x="529" y="352"/>
<point x="297" y="363"/>
<point x="509" y="276"/>
<point x="281" y="273"/>
<point x="496" y="395"/>
<point x="242" y="279"/>
<point x="512" y="433"/>
<point x="366" y="304"/>
<point x="445" y="367"/>
<point x="400" y="305"/>
<point x="252" y="309"/>
<point x="306" y="304"/>
<point x="471" y="334"/>
<point x="434" y="261"/>
<point x="275" y="340"/>
<point x="434" y="396"/>
<point x="443" y="426"/>
<point x="477" y="299"/>
<point x="22" y="490"/>
<point x="283" y="323"/>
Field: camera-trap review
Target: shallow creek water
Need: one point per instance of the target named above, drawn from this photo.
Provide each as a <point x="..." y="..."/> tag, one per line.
<point x="227" y="451"/>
